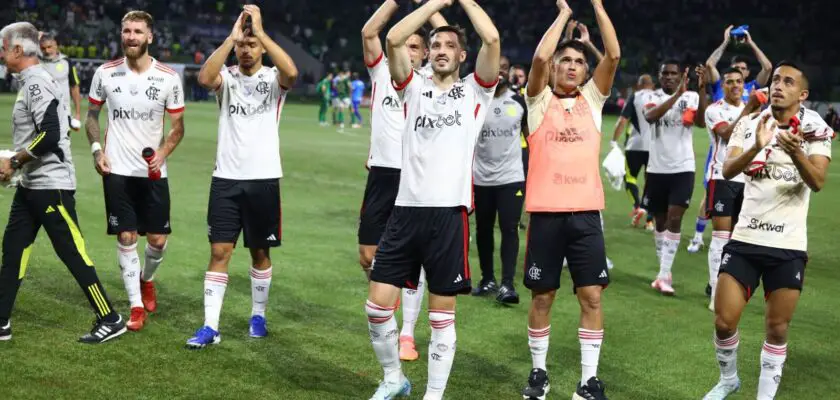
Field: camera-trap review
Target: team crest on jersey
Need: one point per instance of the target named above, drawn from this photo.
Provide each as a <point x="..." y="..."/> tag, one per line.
<point x="497" y="111"/>
<point x="152" y="93"/>
<point x="457" y="92"/>
<point x="262" y="87"/>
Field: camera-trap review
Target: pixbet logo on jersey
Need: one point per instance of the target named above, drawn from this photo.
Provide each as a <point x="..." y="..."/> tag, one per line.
<point x="248" y="109"/>
<point x="424" y="122"/>
<point x="132" y="114"/>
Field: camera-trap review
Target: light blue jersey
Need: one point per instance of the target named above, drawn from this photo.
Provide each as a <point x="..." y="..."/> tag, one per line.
<point x="358" y="90"/>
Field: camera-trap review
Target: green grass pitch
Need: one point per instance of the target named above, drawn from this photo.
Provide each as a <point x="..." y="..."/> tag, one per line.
<point x="318" y="348"/>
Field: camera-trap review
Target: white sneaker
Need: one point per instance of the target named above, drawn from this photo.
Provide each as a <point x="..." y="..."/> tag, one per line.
<point x="649" y="226"/>
<point x="392" y="390"/>
<point x="723" y="389"/>
<point x="695" y="246"/>
<point x="712" y="305"/>
<point x="663" y="285"/>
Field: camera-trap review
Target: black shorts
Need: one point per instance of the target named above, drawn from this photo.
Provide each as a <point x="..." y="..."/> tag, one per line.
<point x="636" y="159"/>
<point x="576" y="237"/>
<point x="436" y="238"/>
<point x="663" y="190"/>
<point x="778" y="268"/>
<point x="136" y="204"/>
<point x="380" y="195"/>
<point x="724" y="198"/>
<point x="249" y="206"/>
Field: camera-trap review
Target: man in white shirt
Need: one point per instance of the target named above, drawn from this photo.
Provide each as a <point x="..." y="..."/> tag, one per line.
<point x="245" y="190"/>
<point x="785" y="152"/>
<point x="385" y="157"/>
<point x="428" y="226"/>
<point x="132" y="161"/>
<point x="637" y="146"/>
<point x="671" y="112"/>
<point x="723" y="196"/>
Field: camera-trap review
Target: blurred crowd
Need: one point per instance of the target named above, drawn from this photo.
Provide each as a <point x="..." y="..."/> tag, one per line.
<point x="329" y="30"/>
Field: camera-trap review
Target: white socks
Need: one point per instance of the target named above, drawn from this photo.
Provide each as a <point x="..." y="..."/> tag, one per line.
<point x="411" y="305"/>
<point x="260" y="284"/>
<point x="590" y="351"/>
<point x="538" y="343"/>
<point x="726" y="351"/>
<point x="441" y="352"/>
<point x="154" y="256"/>
<point x="130" y="267"/>
<point x="772" y="362"/>
<point x="719" y="239"/>
<point x="670" y="245"/>
<point x="658" y="237"/>
<point x="383" y="337"/>
<point x="215" y="284"/>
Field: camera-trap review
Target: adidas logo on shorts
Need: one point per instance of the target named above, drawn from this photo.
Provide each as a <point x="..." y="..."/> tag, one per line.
<point x="458" y="279"/>
<point x="603" y="274"/>
<point x="271" y="237"/>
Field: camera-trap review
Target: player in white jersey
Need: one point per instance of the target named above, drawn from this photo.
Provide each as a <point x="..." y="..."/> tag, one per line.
<point x="499" y="189"/>
<point x="723" y="196"/>
<point x="245" y="190"/>
<point x="671" y="112"/>
<point x="428" y="226"/>
<point x="138" y="91"/>
<point x="637" y="147"/>
<point x="785" y="152"/>
<point x="385" y="157"/>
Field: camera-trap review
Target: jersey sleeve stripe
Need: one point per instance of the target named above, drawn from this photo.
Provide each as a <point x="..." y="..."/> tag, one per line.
<point x="175" y="111"/>
<point x="94" y="101"/>
<point x="400" y="86"/>
<point x="719" y="124"/>
<point x="477" y="108"/>
<point x="376" y="61"/>
<point x="486" y="85"/>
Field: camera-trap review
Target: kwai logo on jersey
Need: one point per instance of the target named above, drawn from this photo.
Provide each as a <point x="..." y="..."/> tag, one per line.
<point x="760" y="225"/>
<point x="568" y="135"/>
<point x="132" y="114"/>
<point x="248" y="109"/>
<point x="392" y="103"/>
<point x="424" y="122"/>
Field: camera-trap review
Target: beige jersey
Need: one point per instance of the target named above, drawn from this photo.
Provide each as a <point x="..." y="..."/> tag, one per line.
<point x="775" y="208"/>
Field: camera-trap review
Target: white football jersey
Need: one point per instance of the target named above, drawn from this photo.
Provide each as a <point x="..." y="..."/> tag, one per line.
<point x="136" y="103"/>
<point x="439" y="140"/>
<point x="721" y="114"/>
<point x="387" y="119"/>
<point x="776" y="199"/>
<point x="672" y="144"/>
<point x="249" y="116"/>
<point x="639" y="139"/>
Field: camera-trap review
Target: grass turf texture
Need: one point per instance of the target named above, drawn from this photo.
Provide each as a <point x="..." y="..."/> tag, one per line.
<point x="318" y="348"/>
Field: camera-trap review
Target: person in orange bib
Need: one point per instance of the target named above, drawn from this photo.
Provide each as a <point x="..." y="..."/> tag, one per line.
<point x="564" y="193"/>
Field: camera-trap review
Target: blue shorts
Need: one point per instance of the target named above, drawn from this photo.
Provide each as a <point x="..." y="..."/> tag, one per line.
<point x="358" y="102"/>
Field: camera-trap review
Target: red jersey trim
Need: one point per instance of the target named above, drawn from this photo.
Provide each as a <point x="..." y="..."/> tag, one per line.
<point x="376" y="61"/>
<point x="175" y="111"/>
<point x="486" y="85"/>
<point x="94" y="101"/>
<point x="400" y="86"/>
<point x="719" y="124"/>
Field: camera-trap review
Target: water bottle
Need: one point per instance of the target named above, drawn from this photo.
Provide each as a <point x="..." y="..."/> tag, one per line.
<point x="148" y="155"/>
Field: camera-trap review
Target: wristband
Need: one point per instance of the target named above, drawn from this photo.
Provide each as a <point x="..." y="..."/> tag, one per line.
<point x="95" y="147"/>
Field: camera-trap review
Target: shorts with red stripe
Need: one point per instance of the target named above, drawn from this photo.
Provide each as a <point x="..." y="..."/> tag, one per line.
<point x="724" y="199"/>
<point x="436" y="238"/>
<point x="249" y="206"/>
<point x="751" y="264"/>
<point x="574" y="236"/>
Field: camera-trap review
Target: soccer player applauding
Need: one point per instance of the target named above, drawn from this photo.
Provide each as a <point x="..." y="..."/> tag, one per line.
<point x="245" y="190"/>
<point x="565" y="194"/>
<point x="428" y="226"/>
